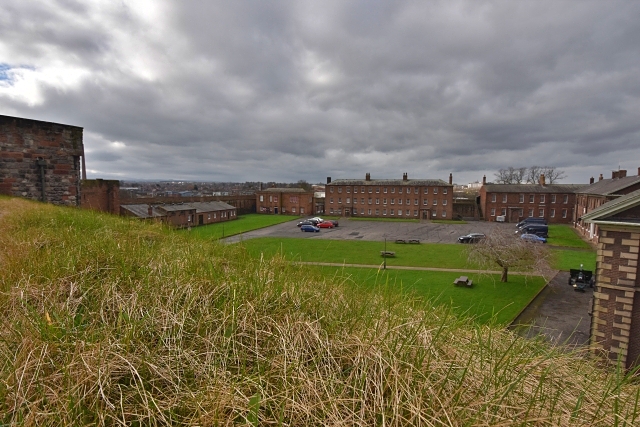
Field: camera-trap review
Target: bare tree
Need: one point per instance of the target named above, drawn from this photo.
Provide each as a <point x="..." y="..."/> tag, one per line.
<point x="508" y="251"/>
<point x="511" y="175"/>
<point x="551" y="174"/>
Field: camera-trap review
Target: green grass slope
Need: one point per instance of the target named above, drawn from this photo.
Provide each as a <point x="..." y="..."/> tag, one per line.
<point x="108" y="321"/>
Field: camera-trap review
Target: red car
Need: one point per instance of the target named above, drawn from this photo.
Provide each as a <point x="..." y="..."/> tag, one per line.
<point x="326" y="224"/>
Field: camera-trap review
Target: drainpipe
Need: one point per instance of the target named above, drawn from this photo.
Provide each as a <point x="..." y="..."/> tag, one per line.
<point x="41" y="163"/>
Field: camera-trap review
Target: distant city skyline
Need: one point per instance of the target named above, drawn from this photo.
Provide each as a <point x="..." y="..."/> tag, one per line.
<point x="300" y="90"/>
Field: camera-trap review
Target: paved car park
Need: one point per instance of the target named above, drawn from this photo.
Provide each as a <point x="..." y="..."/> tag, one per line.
<point x="426" y="232"/>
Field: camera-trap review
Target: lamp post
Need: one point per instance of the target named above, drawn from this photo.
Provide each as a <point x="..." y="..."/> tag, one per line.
<point x="385" y="253"/>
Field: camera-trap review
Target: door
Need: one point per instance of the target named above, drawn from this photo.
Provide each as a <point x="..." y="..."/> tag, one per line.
<point x="200" y="219"/>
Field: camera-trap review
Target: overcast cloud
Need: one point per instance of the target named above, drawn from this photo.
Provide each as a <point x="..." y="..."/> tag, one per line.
<point x="238" y="90"/>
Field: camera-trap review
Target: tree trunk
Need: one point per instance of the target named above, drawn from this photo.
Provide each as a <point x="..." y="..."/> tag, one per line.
<point x="505" y="270"/>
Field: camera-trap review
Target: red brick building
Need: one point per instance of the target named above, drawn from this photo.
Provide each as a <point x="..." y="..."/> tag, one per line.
<point x="599" y="193"/>
<point x="292" y="201"/>
<point x="41" y="160"/>
<point x="182" y="215"/>
<point x="515" y="202"/>
<point x="615" y="325"/>
<point x="390" y="198"/>
<point x="100" y="195"/>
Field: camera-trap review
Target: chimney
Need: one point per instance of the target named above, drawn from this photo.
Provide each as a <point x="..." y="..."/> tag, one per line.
<point x="367" y="177"/>
<point x="484" y="179"/>
<point x="328" y="180"/>
<point x="591" y="180"/>
<point x="638" y="171"/>
<point x="450" y="179"/>
<point x="541" y="179"/>
<point x="405" y="177"/>
<point x="600" y="177"/>
<point x="622" y="173"/>
<point x="614" y="174"/>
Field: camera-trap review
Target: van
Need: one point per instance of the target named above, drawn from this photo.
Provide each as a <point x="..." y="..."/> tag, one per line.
<point x="531" y="220"/>
<point x="541" y="230"/>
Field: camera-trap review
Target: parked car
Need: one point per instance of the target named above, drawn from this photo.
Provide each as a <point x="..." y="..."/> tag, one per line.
<point x="309" y="228"/>
<point x="531" y="220"/>
<point x="533" y="238"/>
<point x="317" y="219"/>
<point x="537" y="229"/>
<point x="333" y="221"/>
<point x="306" y="222"/>
<point x="471" y="238"/>
<point x="326" y="224"/>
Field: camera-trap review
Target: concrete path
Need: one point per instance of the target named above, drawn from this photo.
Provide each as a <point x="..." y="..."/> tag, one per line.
<point x="405" y="267"/>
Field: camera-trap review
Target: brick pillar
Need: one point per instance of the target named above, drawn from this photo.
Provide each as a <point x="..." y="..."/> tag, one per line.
<point x="615" y="328"/>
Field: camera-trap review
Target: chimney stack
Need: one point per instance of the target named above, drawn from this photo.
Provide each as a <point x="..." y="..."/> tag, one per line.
<point x="484" y="179"/>
<point x="328" y="180"/>
<point x="638" y="171"/>
<point x="405" y="176"/>
<point x="541" y="180"/>
<point x="600" y="178"/>
<point x="591" y="180"/>
<point x="367" y="177"/>
<point x="622" y="173"/>
<point x="450" y="179"/>
<point x="614" y="174"/>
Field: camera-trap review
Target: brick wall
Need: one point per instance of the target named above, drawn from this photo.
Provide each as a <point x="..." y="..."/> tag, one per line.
<point x="556" y="208"/>
<point x="31" y="147"/>
<point x="100" y="195"/>
<point x="615" y="329"/>
<point x="244" y="204"/>
<point x="281" y="201"/>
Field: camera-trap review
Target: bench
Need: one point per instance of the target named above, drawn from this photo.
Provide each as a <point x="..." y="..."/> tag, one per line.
<point x="463" y="281"/>
<point x="401" y="241"/>
<point x="414" y="241"/>
<point x="387" y="254"/>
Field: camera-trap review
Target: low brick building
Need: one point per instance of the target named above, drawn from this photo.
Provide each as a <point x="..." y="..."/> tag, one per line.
<point x="615" y="326"/>
<point x="182" y="215"/>
<point x="390" y="198"/>
<point x="100" y="195"/>
<point x="41" y="160"/>
<point x="292" y="201"/>
<point x="598" y="193"/>
<point x="515" y="202"/>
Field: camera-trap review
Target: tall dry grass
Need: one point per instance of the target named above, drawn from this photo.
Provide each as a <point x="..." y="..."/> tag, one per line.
<point x="112" y="322"/>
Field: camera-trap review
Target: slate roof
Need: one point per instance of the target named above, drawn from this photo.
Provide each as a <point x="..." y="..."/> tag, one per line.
<point x="607" y="187"/>
<point x="284" y="190"/>
<point x="620" y="204"/>
<point x="142" y="210"/>
<point x="533" y="188"/>
<point x="408" y="182"/>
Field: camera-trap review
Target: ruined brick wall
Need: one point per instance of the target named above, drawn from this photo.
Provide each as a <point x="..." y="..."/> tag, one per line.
<point x="31" y="147"/>
<point x="101" y="195"/>
<point x="615" y="328"/>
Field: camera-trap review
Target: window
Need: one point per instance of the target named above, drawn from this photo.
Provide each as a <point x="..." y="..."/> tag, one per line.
<point x="541" y="213"/>
<point x="425" y="202"/>
<point x="552" y="213"/>
<point x="214" y="216"/>
<point x="435" y="202"/>
<point x="370" y="200"/>
<point x="355" y="211"/>
<point x="393" y="201"/>
<point x="531" y="198"/>
<point x="355" y="200"/>
<point x="293" y="210"/>
<point x="385" y="190"/>
<point x="339" y="189"/>
<point x="408" y="190"/>
<point x="377" y="212"/>
<point x="415" y="202"/>
<point x="503" y="212"/>
<point x="504" y="198"/>
<point x="493" y="211"/>
<point x="384" y="211"/>
<point x="348" y="200"/>
<point x="426" y="190"/>
<point x="377" y="189"/>
<point x="399" y="212"/>
<point x="262" y="197"/>
<point x="408" y="201"/>
<point x="522" y="198"/>
<point x="348" y="189"/>
<point x="208" y="216"/>
<point x="362" y="190"/>
<point x="493" y="197"/>
<point x="339" y="200"/>
<point x="377" y="201"/>
<point x="361" y="211"/>
<point x="331" y="190"/>
<point x="444" y="202"/>
<point x="564" y="213"/>
<point x="553" y="198"/>
<point x="189" y="219"/>
<point x="565" y="199"/>
<point x="275" y="199"/>
<point x="370" y="190"/>
<point x="293" y="199"/>
<point x="444" y="214"/>
<point x="415" y="190"/>
<point x="435" y="190"/>
<point x="542" y="198"/>
<point x="434" y="213"/>
<point x="415" y="212"/>
<point x="393" y="189"/>
<point x="362" y="201"/>
<point x="521" y="213"/>
<point x="271" y="198"/>
<point x="331" y="200"/>
<point x="301" y="210"/>
<point x="408" y="212"/>
<point x="355" y="190"/>
<point x="391" y="212"/>
<point x="444" y="191"/>
<point x="384" y="201"/>
<point x="331" y="210"/>
<point x="399" y="201"/>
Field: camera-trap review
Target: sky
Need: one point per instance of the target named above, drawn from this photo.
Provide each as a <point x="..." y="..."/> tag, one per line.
<point x="206" y="90"/>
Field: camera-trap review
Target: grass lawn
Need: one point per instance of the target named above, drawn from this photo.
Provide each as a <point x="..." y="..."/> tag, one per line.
<point x="360" y="252"/>
<point x="243" y="224"/>
<point x="488" y="300"/>
<point x="567" y="259"/>
<point x="565" y="235"/>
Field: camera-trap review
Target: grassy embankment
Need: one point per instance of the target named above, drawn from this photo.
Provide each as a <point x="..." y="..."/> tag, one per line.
<point x="117" y="322"/>
<point x="240" y="225"/>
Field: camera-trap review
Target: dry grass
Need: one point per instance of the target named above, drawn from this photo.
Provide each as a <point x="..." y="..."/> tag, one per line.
<point x="112" y="322"/>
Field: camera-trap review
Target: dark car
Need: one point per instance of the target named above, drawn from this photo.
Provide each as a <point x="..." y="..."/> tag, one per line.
<point x="541" y="230"/>
<point x="471" y="238"/>
<point x="332" y="221"/>
<point x="326" y="224"/>
<point x="308" y="222"/>
<point x="531" y="220"/>
<point x="533" y="238"/>
<point x="310" y="228"/>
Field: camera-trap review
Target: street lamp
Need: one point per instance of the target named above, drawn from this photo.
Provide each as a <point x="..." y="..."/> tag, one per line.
<point x="385" y="253"/>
